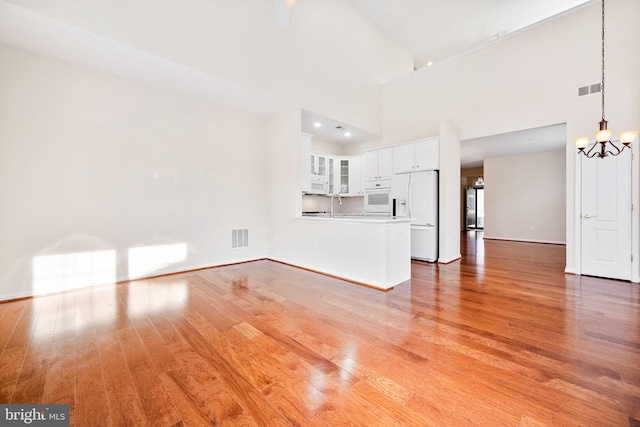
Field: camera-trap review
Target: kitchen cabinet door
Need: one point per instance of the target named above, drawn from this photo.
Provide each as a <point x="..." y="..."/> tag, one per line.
<point x="370" y="167"/>
<point x="343" y="168"/>
<point x="403" y="158"/>
<point x="427" y="155"/>
<point x="355" y="180"/>
<point x="385" y="163"/>
<point x="319" y="168"/>
<point x="378" y="164"/>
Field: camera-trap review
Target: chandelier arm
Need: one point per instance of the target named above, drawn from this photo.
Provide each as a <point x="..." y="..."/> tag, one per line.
<point x="618" y="150"/>
<point x="588" y="152"/>
<point x="591" y="155"/>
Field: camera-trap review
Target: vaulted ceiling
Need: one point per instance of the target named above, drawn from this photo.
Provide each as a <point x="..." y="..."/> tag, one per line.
<point x="434" y="30"/>
<point x="95" y="31"/>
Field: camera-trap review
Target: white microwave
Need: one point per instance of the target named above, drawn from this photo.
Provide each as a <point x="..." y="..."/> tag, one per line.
<point x="377" y="201"/>
<point x="318" y="187"/>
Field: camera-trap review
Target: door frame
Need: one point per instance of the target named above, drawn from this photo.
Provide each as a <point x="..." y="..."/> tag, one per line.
<point x="466" y="203"/>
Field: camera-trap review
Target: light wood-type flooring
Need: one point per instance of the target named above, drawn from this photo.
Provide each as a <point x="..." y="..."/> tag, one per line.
<point x="502" y="337"/>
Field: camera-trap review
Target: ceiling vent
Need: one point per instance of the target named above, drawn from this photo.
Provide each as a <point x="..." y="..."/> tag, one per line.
<point x="340" y="127"/>
<point x="589" y="89"/>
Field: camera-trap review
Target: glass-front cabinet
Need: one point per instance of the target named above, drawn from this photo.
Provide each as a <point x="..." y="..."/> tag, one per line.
<point x="344" y="176"/>
<point x="347" y="176"/>
<point x="319" y="170"/>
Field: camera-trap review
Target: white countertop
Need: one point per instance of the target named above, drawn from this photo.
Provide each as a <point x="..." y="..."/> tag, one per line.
<point x="355" y="218"/>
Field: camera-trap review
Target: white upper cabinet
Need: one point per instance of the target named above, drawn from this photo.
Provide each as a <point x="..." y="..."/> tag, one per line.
<point x="403" y="158"/>
<point x="378" y="164"/>
<point x="427" y="154"/>
<point x="345" y="179"/>
<point x="385" y="163"/>
<point x="319" y="168"/>
<point x="342" y="176"/>
<point x="331" y="174"/>
<point x="370" y="165"/>
<point x="418" y="156"/>
<point x="355" y="176"/>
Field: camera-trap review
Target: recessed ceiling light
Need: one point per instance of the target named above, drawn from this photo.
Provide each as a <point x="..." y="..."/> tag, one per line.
<point x="317" y="125"/>
<point x="429" y="64"/>
<point x="347" y="134"/>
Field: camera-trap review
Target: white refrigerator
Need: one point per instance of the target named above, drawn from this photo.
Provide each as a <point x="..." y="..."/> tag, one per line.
<point x="415" y="195"/>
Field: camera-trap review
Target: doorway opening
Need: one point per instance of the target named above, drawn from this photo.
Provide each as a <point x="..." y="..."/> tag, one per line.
<point x="475" y="208"/>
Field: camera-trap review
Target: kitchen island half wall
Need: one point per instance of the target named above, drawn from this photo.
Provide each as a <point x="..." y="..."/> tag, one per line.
<point x="375" y="252"/>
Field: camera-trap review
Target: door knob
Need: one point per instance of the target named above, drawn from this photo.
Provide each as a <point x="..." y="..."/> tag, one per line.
<point x="587" y="216"/>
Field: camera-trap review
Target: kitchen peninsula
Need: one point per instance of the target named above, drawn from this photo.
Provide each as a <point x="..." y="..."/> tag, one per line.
<point x="372" y="251"/>
<point x="344" y="225"/>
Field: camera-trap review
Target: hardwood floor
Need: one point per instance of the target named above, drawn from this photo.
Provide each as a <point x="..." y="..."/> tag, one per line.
<point x="502" y="337"/>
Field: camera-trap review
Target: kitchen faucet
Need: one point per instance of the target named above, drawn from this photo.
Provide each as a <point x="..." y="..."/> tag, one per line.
<point x="339" y="201"/>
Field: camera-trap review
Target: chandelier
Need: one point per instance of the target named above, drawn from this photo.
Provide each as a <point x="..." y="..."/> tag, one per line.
<point x="603" y="136"/>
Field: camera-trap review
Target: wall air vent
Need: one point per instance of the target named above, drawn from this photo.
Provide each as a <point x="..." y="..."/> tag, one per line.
<point x="239" y="238"/>
<point x="589" y="89"/>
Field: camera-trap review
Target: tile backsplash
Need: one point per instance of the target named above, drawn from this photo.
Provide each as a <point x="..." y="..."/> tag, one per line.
<point x="317" y="203"/>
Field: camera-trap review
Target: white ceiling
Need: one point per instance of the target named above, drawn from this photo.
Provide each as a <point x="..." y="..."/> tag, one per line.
<point x="428" y="30"/>
<point x="331" y="130"/>
<point x="434" y="30"/>
<point x="528" y="141"/>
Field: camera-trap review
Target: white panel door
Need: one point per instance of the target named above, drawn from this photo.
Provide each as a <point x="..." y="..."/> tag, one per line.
<point x="605" y="219"/>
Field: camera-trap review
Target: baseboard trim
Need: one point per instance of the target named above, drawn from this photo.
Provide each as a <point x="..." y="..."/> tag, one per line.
<point x="120" y="280"/>
<point x="449" y="260"/>
<point x="356" y="282"/>
<point x="513" y="239"/>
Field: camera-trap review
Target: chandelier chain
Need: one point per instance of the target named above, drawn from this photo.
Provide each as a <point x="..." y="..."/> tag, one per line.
<point x="602" y="84"/>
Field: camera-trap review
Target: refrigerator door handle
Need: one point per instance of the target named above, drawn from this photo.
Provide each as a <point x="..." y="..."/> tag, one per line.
<point x="409" y="201"/>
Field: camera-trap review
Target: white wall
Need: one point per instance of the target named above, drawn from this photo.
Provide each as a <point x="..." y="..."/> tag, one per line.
<point x="77" y="152"/>
<point x="528" y="80"/>
<point x="325" y="147"/>
<point x="330" y="60"/>
<point x="523" y="198"/>
<point x="79" y="147"/>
